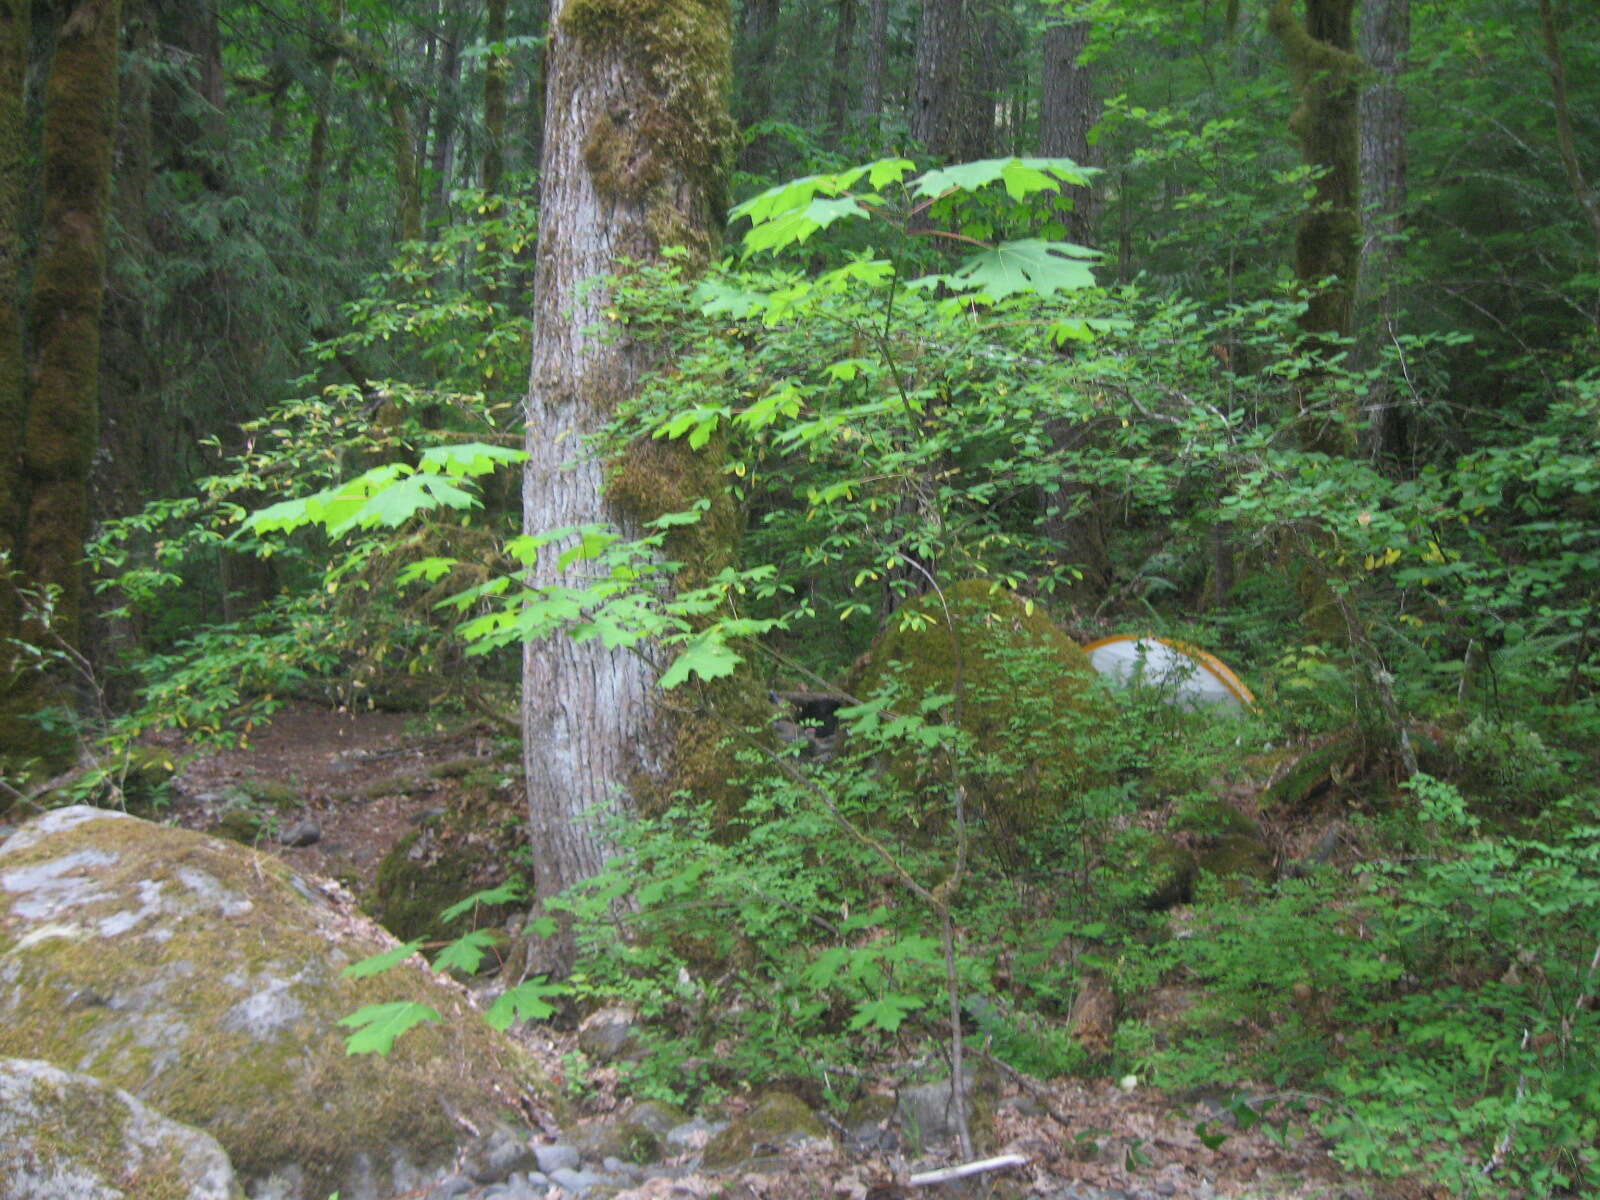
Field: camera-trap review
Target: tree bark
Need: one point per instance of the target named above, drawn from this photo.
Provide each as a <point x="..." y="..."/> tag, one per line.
<point x="988" y="46"/>
<point x="844" y="36"/>
<point x="635" y="125"/>
<point x="759" y="50"/>
<point x="1588" y="203"/>
<point x="1325" y="70"/>
<point x="443" y="150"/>
<point x="1385" y="42"/>
<point x="1073" y="520"/>
<point x="64" y="312"/>
<point x="496" y="77"/>
<point x="936" y="102"/>
<point x="877" y="67"/>
<point x="1067" y="111"/>
<point x="316" y="173"/>
<point x="60" y="429"/>
<point x="14" y="28"/>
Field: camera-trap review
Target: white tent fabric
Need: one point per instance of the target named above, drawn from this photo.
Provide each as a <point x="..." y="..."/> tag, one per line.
<point x="1194" y="678"/>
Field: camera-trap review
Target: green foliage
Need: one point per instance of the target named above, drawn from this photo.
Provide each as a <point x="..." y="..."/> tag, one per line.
<point x="378" y="1025"/>
<point x="1443" y="1006"/>
<point x="373" y="461"/>
<point x="911" y="385"/>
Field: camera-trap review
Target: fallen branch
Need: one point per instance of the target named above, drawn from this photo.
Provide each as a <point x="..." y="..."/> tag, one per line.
<point x="946" y="1174"/>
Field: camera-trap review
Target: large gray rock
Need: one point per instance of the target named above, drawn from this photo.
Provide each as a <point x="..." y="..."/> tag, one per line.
<point x="204" y="978"/>
<point x="65" y="1136"/>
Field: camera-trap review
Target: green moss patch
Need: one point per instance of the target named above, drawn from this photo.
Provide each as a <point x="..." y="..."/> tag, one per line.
<point x="1024" y="695"/>
<point x="205" y="979"/>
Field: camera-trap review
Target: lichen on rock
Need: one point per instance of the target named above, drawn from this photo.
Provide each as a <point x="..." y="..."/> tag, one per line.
<point x="65" y="1136"/>
<point x="206" y="980"/>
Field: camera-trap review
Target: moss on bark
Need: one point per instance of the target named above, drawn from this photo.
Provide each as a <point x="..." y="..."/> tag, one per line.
<point x="1326" y="74"/>
<point x="61" y="426"/>
<point x="666" y="147"/>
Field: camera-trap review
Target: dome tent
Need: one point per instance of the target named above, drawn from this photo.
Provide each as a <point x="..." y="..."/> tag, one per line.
<point x="1194" y="678"/>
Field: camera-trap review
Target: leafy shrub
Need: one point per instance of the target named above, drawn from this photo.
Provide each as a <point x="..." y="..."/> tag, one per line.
<point x="1443" y="1007"/>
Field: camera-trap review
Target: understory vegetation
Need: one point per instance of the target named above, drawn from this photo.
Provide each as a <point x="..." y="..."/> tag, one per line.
<point x="961" y="447"/>
<point x="1373" y="892"/>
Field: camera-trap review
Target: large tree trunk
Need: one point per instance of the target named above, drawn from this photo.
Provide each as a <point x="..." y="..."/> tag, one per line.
<point x="936" y="93"/>
<point x="936" y="102"/>
<point x="69" y="282"/>
<point x="987" y="47"/>
<point x="1073" y="521"/>
<point x="13" y="161"/>
<point x="1385" y="42"/>
<point x="636" y="121"/>
<point x="1067" y="111"/>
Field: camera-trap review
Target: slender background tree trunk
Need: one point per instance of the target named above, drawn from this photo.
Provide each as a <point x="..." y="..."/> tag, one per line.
<point x="1067" y="111"/>
<point x="844" y="36"/>
<point x="1385" y="42"/>
<point x="877" y="65"/>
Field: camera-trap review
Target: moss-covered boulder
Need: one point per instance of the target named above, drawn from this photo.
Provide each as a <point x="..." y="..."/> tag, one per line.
<point x="205" y="979"/>
<point x="775" y="1123"/>
<point x="465" y="848"/>
<point x="1237" y="859"/>
<point x="65" y="1136"/>
<point x="1026" y="696"/>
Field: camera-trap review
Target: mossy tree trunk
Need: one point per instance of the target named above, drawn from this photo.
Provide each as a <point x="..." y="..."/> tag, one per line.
<point x="13" y="370"/>
<point x="635" y="130"/>
<point x="1327" y="79"/>
<point x="63" y="322"/>
<point x="1326" y="74"/>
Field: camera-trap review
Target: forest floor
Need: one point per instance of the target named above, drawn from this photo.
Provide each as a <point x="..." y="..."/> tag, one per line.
<point x="369" y="778"/>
